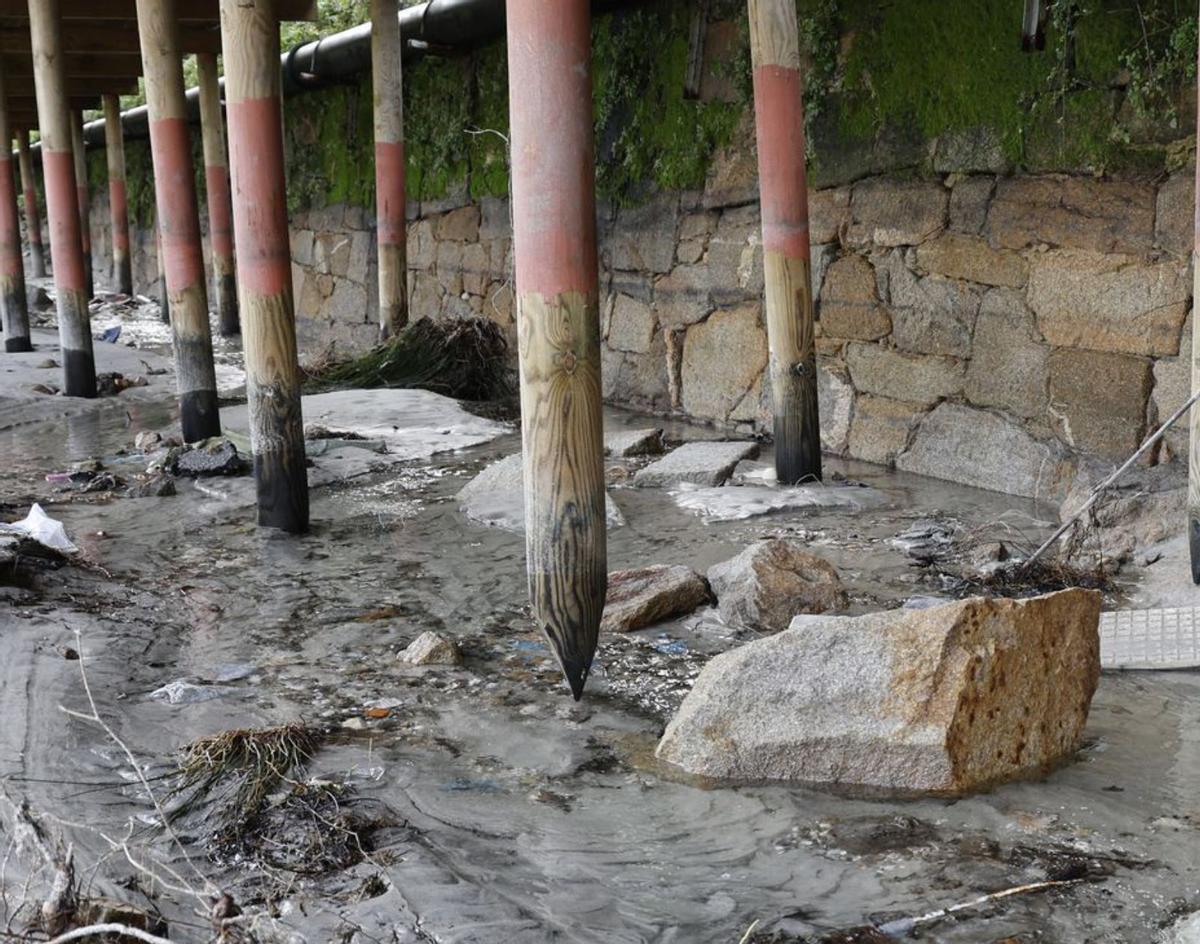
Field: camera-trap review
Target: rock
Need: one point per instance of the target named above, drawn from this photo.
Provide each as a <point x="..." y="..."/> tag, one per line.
<point x="828" y="214"/>
<point x="216" y="456"/>
<point x="969" y="151"/>
<point x="461" y="225"/>
<point x="159" y="486"/>
<point x="726" y="503"/>
<point x="881" y="428"/>
<point x="887" y="212"/>
<point x="929" y="315"/>
<point x="648" y="595"/>
<point x="1174" y="220"/>
<point x="431" y="649"/>
<point x="39" y="298"/>
<point x="632" y="325"/>
<point x="1109" y="302"/>
<point x="984" y="449"/>
<point x="887" y="373"/>
<point x="955" y="256"/>
<point x="496" y="497"/>
<point x="1072" y="212"/>
<point x="835" y="401"/>
<point x="44" y="389"/>
<point x="626" y="443"/>
<point x="1142" y="508"/>
<point x="1100" y="400"/>
<point x="969" y="201"/>
<point x="945" y="700"/>
<point x="721" y="360"/>
<point x="697" y="463"/>
<point x="850" y="307"/>
<point x="1173" y="387"/>
<point x="1008" y="366"/>
<point x="147" y="441"/>
<point x="48" y="364"/>
<point x="772" y="581"/>
<point x="643" y="237"/>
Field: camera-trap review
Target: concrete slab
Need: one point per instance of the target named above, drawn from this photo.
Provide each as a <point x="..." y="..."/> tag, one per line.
<point x="496" y="497"/>
<point x="739" y="502"/>
<point x="1167" y="638"/>
<point x="626" y="443"/>
<point x="698" y="463"/>
<point x="415" y="424"/>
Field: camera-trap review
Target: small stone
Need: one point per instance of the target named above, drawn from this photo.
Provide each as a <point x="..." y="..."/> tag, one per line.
<point x="43" y="389"/>
<point x="216" y="456"/>
<point x="697" y="463"/>
<point x="646" y="595"/>
<point x="431" y="649"/>
<point x="772" y="581"/>
<point x="160" y="486"/>
<point x="147" y="441"/>
<point x="626" y="443"/>
<point x="946" y="700"/>
<point x="48" y="364"/>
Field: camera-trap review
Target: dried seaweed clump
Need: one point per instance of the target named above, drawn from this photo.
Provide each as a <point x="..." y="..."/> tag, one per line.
<point x="462" y="358"/>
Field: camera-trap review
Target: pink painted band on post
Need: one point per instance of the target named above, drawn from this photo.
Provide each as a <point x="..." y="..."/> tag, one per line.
<point x="118" y="203"/>
<point x="66" y="254"/>
<point x="10" y="226"/>
<point x="85" y="232"/>
<point x="779" y="104"/>
<point x="554" y="209"/>
<point x="175" y="185"/>
<point x="390" y="198"/>
<point x="261" y="223"/>
<point x="220" y="223"/>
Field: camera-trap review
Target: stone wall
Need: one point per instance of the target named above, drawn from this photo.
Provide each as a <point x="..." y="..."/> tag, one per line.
<point x="985" y="329"/>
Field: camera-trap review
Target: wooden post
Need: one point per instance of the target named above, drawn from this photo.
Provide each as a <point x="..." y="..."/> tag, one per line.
<point x="118" y="204"/>
<point x="164" y="303"/>
<point x="250" y="39"/>
<point x="386" y="75"/>
<point x="779" y="113"/>
<point x="66" y="248"/>
<point x="220" y="205"/>
<point x="13" y="303"/>
<point x="554" y="227"/>
<point x="83" y="200"/>
<point x="1193" y="499"/>
<point x="33" y="217"/>
<point x="178" y="219"/>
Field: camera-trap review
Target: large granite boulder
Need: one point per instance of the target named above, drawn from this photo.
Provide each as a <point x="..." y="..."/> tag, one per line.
<point x="772" y="581"/>
<point x="647" y="595"/>
<point x="944" y="700"/>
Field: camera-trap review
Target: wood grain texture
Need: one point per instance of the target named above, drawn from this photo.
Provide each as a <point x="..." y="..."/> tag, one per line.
<point x="33" y="216"/>
<point x="219" y="198"/>
<point x="83" y="200"/>
<point x="118" y="210"/>
<point x="390" y="199"/>
<point x="774" y="33"/>
<point x="793" y="368"/>
<point x="563" y="448"/>
<point x="45" y="32"/>
<point x="250" y="38"/>
<point x="162" y="61"/>
<point x="276" y="419"/>
<point x="14" y="309"/>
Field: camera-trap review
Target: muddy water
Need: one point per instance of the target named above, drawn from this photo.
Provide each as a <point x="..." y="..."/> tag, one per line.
<point x="517" y="815"/>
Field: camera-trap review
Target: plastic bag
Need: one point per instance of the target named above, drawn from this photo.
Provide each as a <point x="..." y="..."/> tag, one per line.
<point x="42" y="528"/>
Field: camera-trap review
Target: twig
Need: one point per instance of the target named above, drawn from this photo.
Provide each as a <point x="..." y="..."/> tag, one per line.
<point x="1103" y="486"/>
<point x="749" y="932"/>
<point x="904" y="925"/>
<point x="121" y="930"/>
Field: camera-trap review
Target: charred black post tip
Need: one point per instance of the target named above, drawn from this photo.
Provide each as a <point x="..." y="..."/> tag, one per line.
<point x="18" y="345"/>
<point x="577" y="676"/>
<point x="79" y="374"/>
<point x="282" y="484"/>
<point x="199" y="415"/>
<point x="1194" y="547"/>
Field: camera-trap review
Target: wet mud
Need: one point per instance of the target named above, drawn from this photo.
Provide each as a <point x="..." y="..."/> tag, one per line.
<point x="479" y="803"/>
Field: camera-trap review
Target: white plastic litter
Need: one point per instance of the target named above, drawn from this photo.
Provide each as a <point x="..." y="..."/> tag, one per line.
<point x="42" y="528"/>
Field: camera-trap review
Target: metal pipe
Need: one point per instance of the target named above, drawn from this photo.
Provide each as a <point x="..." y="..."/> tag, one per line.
<point x="434" y="26"/>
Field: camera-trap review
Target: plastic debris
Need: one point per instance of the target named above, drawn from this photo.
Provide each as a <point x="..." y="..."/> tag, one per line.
<point x="40" y="527"/>
<point x="111" y="335"/>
